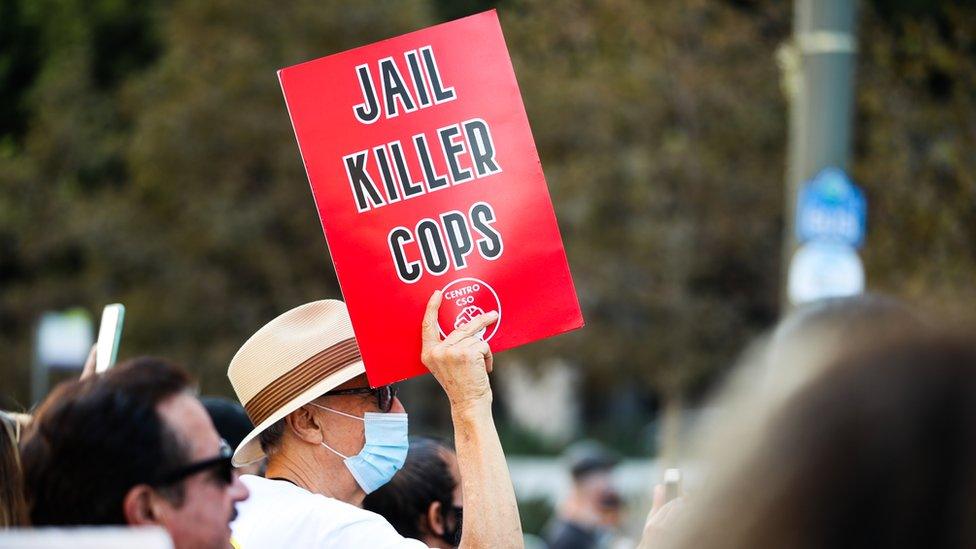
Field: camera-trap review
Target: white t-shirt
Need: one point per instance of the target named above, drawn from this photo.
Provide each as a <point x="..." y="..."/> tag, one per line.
<point x="280" y="514"/>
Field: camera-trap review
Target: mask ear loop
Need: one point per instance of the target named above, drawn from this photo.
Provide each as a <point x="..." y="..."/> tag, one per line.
<point x="331" y="449"/>
<point x="337" y="412"/>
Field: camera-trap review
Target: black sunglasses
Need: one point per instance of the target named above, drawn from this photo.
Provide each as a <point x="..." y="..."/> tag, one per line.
<point x="384" y="395"/>
<point x="221" y="464"/>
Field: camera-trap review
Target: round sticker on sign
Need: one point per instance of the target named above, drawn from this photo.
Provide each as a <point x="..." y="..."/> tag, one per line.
<point x="464" y="299"/>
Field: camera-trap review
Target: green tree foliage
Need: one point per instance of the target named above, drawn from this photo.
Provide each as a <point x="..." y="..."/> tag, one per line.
<point x="146" y="157"/>
<point x="57" y="169"/>
<point x="18" y="63"/>
<point x="666" y="178"/>
<point x="915" y="143"/>
<point x="177" y="190"/>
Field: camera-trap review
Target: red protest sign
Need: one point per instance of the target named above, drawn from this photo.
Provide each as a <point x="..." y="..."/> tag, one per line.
<point x="426" y="177"/>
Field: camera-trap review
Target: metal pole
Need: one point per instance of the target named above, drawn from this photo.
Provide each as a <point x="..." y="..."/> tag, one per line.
<point x="819" y="79"/>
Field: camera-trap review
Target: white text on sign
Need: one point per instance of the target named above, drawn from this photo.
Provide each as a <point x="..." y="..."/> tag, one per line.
<point x="380" y="176"/>
<point x="471" y="138"/>
<point x="425" y="77"/>
<point x="437" y="246"/>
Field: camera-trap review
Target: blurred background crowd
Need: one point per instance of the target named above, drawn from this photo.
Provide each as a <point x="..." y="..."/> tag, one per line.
<point x="146" y="158"/>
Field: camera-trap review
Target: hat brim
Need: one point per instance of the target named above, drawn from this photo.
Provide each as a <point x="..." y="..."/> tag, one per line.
<point x="250" y="450"/>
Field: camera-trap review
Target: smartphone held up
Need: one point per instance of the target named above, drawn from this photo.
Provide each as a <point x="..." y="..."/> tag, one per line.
<point x="109" y="336"/>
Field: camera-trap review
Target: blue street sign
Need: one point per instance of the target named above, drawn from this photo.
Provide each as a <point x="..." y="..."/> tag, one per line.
<point x="831" y="209"/>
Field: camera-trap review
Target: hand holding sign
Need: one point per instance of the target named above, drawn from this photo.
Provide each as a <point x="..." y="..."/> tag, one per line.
<point x="461" y="361"/>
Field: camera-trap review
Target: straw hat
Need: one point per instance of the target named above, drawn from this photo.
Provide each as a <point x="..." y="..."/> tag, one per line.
<point x="292" y="360"/>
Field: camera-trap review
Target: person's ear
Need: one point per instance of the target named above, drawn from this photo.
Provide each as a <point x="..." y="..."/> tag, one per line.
<point x="306" y="425"/>
<point x="138" y="506"/>
<point x="435" y="519"/>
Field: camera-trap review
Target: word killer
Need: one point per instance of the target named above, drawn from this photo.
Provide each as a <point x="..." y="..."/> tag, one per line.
<point x="428" y="86"/>
<point x="439" y="244"/>
<point x="467" y="148"/>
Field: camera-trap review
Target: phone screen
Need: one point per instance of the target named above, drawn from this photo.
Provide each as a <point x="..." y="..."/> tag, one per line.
<point x="109" y="335"/>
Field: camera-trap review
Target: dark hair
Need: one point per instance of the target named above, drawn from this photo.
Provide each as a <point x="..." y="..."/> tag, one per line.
<point x="13" y="507"/>
<point x="229" y="418"/>
<point x="588" y="457"/>
<point x="877" y="451"/>
<point x="424" y="479"/>
<point x="270" y="438"/>
<point x="91" y="441"/>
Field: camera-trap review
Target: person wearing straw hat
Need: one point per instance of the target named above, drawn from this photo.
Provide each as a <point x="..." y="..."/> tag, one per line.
<point x="330" y="439"/>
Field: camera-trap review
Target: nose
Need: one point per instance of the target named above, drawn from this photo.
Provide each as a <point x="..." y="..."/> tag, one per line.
<point x="396" y="406"/>
<point x="237" y="490"/>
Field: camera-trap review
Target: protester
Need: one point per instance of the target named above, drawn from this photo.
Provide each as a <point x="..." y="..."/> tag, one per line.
<point x="330" y="439"/>
<point x="590" y="514"/>
<point x="131" y="446"/>
<point x="772" y="370"/>
<point x="232" y="424"/>
<point x="424" y="499"/>
<point x="810" y="337"/>
<point x="875" y="451"/>
<point x="13" y="507"/>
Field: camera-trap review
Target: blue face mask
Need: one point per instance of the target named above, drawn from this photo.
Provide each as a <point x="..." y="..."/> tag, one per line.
<point x="384" y="452"/>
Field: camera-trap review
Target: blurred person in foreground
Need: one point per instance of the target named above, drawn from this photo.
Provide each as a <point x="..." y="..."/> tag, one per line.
<point x="13" y="507"/>
<point x="424" y="499"/>
<point x="811" y="337"/>
<point x="771" y="370"/>
<point x="131" y="446"/>
<point x="330" y="439"/>
<point x="591" y="513"/>
<point x="232" y="424"/>
<point x="877" y="450"/>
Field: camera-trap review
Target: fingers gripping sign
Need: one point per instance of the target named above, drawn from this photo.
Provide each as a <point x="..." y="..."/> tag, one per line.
<point x="461" y="361"/>
<point x="485" y="350"/>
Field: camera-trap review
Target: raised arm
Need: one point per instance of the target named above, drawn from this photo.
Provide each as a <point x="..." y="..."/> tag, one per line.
<point x="460" y="363"/>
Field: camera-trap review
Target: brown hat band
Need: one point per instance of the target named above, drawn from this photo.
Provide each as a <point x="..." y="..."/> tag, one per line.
<point x="301" y="378"/>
